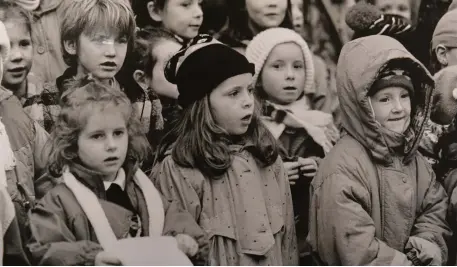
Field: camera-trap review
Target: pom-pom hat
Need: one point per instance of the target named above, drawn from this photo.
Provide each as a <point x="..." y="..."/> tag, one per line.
<point x="203" y="64"/>
<point x="263" y="43"/>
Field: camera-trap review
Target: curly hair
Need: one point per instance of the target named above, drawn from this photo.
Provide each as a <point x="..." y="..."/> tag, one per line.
<point x="202" y="144"/>
<point x="79" y="102"/>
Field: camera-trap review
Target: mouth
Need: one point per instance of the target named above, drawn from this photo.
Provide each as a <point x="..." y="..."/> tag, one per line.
<point x="109" y="65"/>
<point x="195" y="26"/>
<point x="17" y="70"/>
<point x="271" y="15"/>
<point x="246" y="118"/>
<point x="111" y="160"/>
<point x="290" y="88"/>
<point x="396" y="119"/>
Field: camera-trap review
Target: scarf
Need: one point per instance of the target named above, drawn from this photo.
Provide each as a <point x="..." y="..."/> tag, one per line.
<point x="29" y="5"/>
<point x="94" y="211"/>
<point x="319" y="125"/>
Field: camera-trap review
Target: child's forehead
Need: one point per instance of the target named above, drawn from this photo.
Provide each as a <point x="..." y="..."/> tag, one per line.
<point x="107" y="31"/>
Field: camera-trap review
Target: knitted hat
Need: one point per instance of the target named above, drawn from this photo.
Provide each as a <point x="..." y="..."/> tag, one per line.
<point x="201" y="66"/>
<point x="263" y="43"/>
<point x="446" y="31"/>
<point x="392" y="78"/>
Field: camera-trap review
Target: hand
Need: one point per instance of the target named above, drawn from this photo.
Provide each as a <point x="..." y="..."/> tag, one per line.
<point x="187" y="244"/>
<point x="292" y="169"/>
<point x="308" y="167"/>
<point x="106" y="259"/>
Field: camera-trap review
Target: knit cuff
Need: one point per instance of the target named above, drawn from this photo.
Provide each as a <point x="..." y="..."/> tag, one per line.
<point x="412" y="256"/>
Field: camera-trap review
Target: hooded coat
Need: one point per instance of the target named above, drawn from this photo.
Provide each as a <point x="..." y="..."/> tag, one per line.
<point x="369" y="200"/>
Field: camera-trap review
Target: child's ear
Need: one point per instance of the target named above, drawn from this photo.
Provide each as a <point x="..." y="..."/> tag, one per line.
<point x="441" y="55"/>
<point x="70" y="47"/>
<point x="154" y="12"/>
<point x="141" y="79"/>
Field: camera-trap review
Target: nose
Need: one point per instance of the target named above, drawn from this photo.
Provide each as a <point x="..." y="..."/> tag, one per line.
<point x="271" y="3"/>
<point x="248" y="99"/>
<point x="110" y="48"/>
<point x="110" y="143"/>
<point x="15" y="55"/>
<point x="198" y="12"/>
<point x="398" y="106"/>
<point x="290" y="73"/>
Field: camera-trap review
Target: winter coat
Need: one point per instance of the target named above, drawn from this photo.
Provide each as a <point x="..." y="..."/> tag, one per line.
<point x="62" y="234"/>
<point x="48" y="61"/>
<point x="27" y="140"/>
<point x="371" y="204"/>
<point x="247" y="211"/>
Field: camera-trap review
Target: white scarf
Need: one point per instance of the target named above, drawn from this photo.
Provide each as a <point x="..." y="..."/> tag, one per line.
<point x="29" y="5"/>
<point x="94" y="211"/>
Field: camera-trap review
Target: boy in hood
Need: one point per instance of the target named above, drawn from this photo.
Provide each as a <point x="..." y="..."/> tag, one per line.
<point x="375" y="199"/>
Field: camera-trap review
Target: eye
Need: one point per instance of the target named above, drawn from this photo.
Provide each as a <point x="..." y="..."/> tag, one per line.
<point x="234" y="93"/>
<point x="298" y="66"/>
<point x="384" y="99"/>
<point x="186" y="3"/>
<point x="403" y="8"/>
<point x="97" y="136"/>
<point x="25" y="43"/>
<point x="119" y="133"/>
<point x="251" y="90"/>
<point x="405" y="95"/>
<point x="123" y="40"/>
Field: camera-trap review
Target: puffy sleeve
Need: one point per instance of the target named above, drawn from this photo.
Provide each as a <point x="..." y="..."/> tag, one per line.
<point x="341" y="230"/>
<point x="431" y="223"/>
<point x="181" y="189"/>
<point x="40" y="149"/>
<point x="52" y="241"/>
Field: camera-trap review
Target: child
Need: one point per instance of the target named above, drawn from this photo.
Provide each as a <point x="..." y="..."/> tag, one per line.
<point x="443" y="46"/>
<point x="48" y="62"/>
<point x="96" y="148"/>
<point x="284" y="82"/>
<point x="94" y="40"/>
<point x="16" y="73"/>
<point x="249" y="17"/>
<point x="143" y="74"/>
<point x="22" y="142"/>
<point x="182" y="18"/>
<point x="152" y="95"/>
<point x="400" y="8"/>
<point x="298" y="19"/>
<point x="222" y="164"/>
<point x="444" y="112"/>
<point x="375" y="200"/>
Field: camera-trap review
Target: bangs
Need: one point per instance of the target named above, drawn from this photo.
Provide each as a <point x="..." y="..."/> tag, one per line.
<point x="110" y="18"/>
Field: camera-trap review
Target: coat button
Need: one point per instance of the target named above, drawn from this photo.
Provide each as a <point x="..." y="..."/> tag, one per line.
<point x="404" y="179"/>
<point x="40" y="50"/>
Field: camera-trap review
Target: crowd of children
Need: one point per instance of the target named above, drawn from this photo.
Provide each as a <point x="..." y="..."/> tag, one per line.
<point x="122" y="122"/>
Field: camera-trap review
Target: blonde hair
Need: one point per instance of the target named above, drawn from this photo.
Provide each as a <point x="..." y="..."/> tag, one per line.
<point x="78" y="103"/>
<point x="88" y="16"/>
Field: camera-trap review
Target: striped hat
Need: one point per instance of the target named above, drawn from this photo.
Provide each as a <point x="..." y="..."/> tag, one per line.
<point x="263" y="43"/>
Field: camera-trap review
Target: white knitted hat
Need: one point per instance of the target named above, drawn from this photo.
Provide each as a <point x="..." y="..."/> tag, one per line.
<point x="261" y="45"/>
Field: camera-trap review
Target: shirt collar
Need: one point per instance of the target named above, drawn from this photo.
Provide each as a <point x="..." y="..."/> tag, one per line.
<point x="120" y="180"/>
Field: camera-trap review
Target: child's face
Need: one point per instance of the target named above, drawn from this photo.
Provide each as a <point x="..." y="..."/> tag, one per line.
<point x="101" y="54"/>
<point x="267" y="13"/>
<point x="392" y="108"/>
<point x="182" y="17"/>
<point x="297" y="15"/>
<point x="283" y="74"/>
<point x="162" y="52"/>
<point x="395" y="7"/>
<point x="232" y="104"/>
<point x="103" y="143"/>
<point x="19" y="61"/>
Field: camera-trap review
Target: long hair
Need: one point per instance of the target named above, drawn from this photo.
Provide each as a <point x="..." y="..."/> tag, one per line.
<point x="83" y="98"/>
<point x="203" y="145"/>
